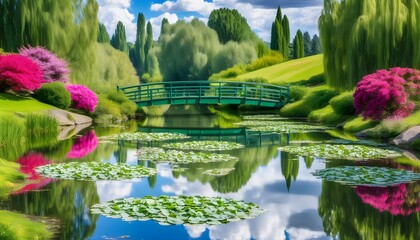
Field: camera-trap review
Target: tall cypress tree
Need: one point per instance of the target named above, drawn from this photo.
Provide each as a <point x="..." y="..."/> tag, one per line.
<point x="103" y="36"/>
<point x="149" y="43"/>
<point x="286" y="31"/>
<point x="315" y="45"/>
<point x="298" y="46"/>
<point x="164" y="26"/>
<point x="119" y="39"/>
<point x="274" y="44"/>
<point x="139" y="44"/>
<point x="307" y="43"/>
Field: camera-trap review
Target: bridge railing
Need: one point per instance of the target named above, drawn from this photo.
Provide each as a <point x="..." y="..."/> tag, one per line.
<point x="205" y="89"/>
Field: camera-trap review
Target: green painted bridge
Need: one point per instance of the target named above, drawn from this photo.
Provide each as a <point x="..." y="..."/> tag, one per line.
<point x="207" y="92"/>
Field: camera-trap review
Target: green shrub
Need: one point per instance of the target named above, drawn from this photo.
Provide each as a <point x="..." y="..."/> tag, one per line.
<point x="273" y="58"/>
<point x="312" y="101"/>
<point x="107" y="111"/>
<point x="256" y="80"/>
<point x="129" y="109"/>
<point x="343" y="104"/>
<point x="298" y="92"/>
<point x="314" y="80"/>
<point x="388" y="128"/>
<point x="327" y="116"/>
<point x="54" y="94"/>
<point x="357" y="124"/>
<point x="117" y="97"/>
<point x="232" y="72"/>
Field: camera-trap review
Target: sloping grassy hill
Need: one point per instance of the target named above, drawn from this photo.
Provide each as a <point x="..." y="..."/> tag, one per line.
<point x="290" y="71"/>
<point x="10" y="103"/>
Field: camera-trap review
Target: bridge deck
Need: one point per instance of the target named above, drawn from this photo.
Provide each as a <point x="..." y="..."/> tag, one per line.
<point x="207" y="92"/>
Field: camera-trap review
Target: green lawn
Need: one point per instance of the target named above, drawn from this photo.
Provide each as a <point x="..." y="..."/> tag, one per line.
<point x="10" y="103"/>
<point x="290" y="71"/>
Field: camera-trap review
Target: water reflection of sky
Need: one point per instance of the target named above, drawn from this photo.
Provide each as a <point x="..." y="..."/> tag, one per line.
<point x="295" y="211"/>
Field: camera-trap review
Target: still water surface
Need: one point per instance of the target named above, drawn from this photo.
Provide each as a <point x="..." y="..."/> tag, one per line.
<point x="299" y="205"/>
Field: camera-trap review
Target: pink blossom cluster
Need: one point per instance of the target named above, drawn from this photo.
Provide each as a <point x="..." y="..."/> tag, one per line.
<point x="19" y="73"/>
<point x="393" y="199"/>
<point x="84" y="145"/>
<point x="82" y="97"/>
<point x="53" y="68"/>
<point x="386" y="94"/>
<point x="28" y="164"/>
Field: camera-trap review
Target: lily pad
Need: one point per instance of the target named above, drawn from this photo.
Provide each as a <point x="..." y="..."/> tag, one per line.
<point x="290" y="127"/>
<point x="367" y="176"/>
<point x="261" y="123"/>
<point x="94" y="171"/>
<point x="205" y="145"/>
<point x="350" y="152"/>
<point x="219" y="171"/>
<point x="142" y="136"/>
<point x="174" y="156"/>
<point x="264" y="117"/>
<point x="175" y="210"/>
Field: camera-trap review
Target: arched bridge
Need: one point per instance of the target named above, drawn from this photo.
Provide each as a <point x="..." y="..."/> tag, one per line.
<point x="207" y="92"/>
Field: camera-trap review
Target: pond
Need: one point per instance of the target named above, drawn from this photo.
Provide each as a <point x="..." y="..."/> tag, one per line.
<point x="298" y="204"/>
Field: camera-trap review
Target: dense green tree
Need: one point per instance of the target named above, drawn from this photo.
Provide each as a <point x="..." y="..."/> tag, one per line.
<point x="188" y="52"/>
<point x="280" y="34"/>
<point x="119" y="38"/>
<point x="103" y="36"/>
<point x="140" y="59"/>
<point x="307" y="44"/>
<point x="229" y="25"/>
<point x="298" y="46"/>
<point x="164" y="26"/>
<point x="286" y="35"/>
<point x="149" y="44"/>
<point x="315" y="45"/>
<point x="360" y="36"/>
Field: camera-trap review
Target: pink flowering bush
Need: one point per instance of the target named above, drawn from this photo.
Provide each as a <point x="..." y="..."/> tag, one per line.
<point x="19" y="73"/>
<point x="402" y="199"/>
<point x="386" y="94"/>
<point x="84" y="145"/>
<point x="82" y="97"/>
<point x="28" y="164"/>
<point x="53" y="68"/>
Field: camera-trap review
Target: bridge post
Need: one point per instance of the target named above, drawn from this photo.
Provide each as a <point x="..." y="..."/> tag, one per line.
<point x="220" y="92"/>
<point x="118" y="88"/>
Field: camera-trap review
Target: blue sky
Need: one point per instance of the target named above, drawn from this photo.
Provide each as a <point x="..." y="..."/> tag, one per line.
<point x="302" y="14"/>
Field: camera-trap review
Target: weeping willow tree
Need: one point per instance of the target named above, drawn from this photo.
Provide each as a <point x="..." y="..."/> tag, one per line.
<point x="360" y="36"/>
<point x="68" y="28"/>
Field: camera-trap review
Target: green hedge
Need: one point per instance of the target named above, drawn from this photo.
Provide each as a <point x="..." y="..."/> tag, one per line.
<point x="54" y="94"/>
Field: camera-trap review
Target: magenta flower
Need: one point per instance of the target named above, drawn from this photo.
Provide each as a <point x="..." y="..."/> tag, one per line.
<point x="386" y="94"/>
<point x="396" y="200"/>
<point x="53" y="68"/>
<point x="19" y="73"/>
<point x="82" y="97"/>
<point x="28" y="164"/>
<point x="84" y="145"/>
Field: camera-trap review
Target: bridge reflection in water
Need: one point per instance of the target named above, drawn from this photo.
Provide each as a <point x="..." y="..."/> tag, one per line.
<point x="239" y="135"/>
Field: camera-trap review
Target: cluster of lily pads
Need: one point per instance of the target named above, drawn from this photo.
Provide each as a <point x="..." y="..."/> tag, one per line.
<point x="218" y="172"/>
<point x="142" y="136"/>
<point x="205" y="145"/>
<point x="289" y="127"/>
<point x="264" y="117"/>
<point x="189" y="210"/>
<point x="161" y="155"/>
<point x="350" y="152"/>
<point x="94" y="171"/>
<point x="250" y="123"/>
<point x="369" y="176"/>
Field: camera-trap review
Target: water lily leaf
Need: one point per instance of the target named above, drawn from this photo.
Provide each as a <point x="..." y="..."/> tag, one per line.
<point x="219" y="171"/>
<point x="350" y="152"/>
<point x="94" y="171"/>
<point x="169" y="210"/>
<point x="160" y="155"/>
<point x="142" y="136"/>
<point x="205" y="145"/>
<point x="368" y="176"/>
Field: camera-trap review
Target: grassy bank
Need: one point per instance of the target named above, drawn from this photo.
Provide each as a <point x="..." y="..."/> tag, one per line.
<point x="289" y="72"/>
<point x="14" y="226"/>
<point x="10" y="103"/>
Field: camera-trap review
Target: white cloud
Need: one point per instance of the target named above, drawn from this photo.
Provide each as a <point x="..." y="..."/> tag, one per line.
<point x="112" y="11"/>
<point x="157" y="22"/>
<point x="259" y="19"/>
<point x="200" y="6"/>
<point x="109" y="190"/>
